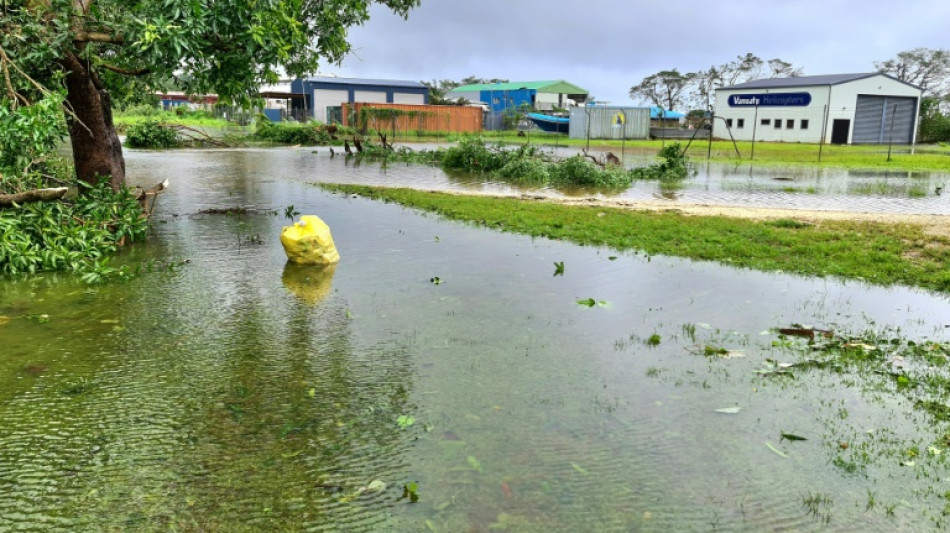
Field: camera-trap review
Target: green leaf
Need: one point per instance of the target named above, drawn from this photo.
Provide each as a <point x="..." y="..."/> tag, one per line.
<point x="789" y="436"/>
<point x="405" y="421"/>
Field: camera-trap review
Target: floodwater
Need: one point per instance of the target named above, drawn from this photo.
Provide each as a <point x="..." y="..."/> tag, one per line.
<point x="235" y="392"/>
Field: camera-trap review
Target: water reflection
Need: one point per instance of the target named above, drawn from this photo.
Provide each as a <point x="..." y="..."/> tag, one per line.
<point x="310" y="283"/>
<point x="739" y="184"/>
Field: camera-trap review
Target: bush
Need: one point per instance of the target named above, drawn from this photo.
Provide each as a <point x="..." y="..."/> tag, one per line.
<point x="675" y="165"/>
<point x="76" y="235"/>
<point x="526" y="170"/>
<point x="296" y="133"/>
<point x="151" y="134"/>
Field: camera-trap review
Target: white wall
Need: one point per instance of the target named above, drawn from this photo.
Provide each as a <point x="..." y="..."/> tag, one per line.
<point x="753" y="117"/>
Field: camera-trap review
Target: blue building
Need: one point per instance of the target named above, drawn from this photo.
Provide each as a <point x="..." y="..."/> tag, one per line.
<point x="323" y="95"/>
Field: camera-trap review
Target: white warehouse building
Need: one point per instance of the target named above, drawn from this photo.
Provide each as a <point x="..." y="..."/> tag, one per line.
<point x="869" y="108"/>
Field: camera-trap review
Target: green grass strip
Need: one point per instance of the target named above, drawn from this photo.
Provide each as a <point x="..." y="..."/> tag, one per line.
<point x="877" y="253"/>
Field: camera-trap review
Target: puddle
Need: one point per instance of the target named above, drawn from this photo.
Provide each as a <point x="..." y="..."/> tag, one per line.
<point x="238" y="392"/>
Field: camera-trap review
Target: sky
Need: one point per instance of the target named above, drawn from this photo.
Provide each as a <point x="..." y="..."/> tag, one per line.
<point x="607" y="46"/>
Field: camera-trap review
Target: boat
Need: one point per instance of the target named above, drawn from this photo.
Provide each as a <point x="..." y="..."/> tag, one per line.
<point x="550" y="123"/>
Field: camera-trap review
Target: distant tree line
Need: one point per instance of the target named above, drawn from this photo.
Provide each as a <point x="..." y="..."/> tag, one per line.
<point x="926" y="68"/>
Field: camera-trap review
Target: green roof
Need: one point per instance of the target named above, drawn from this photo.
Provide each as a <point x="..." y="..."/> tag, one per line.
<point x="554" y="86"/>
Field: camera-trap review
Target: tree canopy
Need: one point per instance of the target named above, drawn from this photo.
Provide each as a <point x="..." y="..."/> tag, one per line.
<point x="670" y="88"/>
<point x="228" y="47"/>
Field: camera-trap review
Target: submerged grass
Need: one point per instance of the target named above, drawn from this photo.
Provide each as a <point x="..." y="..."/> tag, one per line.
<point x="877" y="253"/>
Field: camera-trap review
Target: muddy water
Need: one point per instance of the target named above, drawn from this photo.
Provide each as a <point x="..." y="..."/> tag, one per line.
<point x="235" y="392"/>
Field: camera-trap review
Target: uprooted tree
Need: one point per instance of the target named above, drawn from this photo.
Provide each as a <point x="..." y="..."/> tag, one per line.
<point x="85" y="48"/>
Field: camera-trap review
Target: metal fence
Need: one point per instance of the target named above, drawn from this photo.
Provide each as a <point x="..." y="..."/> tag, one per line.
<point x="610" y="122"/>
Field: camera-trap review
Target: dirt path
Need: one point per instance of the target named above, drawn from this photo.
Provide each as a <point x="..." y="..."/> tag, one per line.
<point x="936" y="225"/>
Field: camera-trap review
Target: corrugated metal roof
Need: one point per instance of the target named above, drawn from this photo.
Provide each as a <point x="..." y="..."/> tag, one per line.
<point x="807" y="81"/>
<point x="364" y="81"/>
<point x="551" y="86"/>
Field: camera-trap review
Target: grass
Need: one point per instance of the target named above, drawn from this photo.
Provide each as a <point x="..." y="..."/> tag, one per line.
<point x="934" y="158"/>
<point x="877" y="253"/>
<point x="124" y="120"/>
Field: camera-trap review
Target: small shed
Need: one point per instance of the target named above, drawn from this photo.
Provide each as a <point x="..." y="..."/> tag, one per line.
<point x="323" y="93"/>
<point x="610" y="122"/>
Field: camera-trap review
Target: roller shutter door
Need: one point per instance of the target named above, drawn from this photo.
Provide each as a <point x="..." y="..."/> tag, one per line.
<point x="370" y="97"/>
<point x="882" y="119"/>
<point x="324" y="98"/>
<point x="407" y="98"/>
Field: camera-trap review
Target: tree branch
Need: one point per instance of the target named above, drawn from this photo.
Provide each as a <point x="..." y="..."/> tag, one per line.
<point x="97" y="37"/>
<point x="35" y="195"/>
<point x="125" y="71"/>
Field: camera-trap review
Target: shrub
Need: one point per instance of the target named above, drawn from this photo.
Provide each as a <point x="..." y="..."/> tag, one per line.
<point x="674" y="165"/>
<point x="526" y="170"/>
<point x="75" y="235"/>
<point x="151" y="134"/>
<point x="296" y="133"/>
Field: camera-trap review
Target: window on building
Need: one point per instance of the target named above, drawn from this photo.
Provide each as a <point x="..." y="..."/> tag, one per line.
<point x="804" y="124"/>
<point x="778" y="123"/>
<point x="740" y="123"/>
<point x="766" y="122"/>
<point x="728" y="122"/>
<point x="790" y="124"/>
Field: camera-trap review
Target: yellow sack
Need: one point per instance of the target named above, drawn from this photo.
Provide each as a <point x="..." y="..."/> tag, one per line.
<point x="309" y="242"/>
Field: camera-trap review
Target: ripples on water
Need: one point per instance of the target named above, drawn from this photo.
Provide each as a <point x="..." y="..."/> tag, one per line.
<point x="242" y="394"/>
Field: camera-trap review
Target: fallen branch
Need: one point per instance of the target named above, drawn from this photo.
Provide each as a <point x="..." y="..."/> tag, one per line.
<point x="197" y="135"/>
<point x="594" y="159"/>
<point x="34" y="195"/>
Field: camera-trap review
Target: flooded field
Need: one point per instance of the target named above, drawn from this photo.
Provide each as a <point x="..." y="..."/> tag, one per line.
<point x="442" y="378"/>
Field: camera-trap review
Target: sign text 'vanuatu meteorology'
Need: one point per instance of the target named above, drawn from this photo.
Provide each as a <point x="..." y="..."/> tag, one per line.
<point x="770" y="100"/>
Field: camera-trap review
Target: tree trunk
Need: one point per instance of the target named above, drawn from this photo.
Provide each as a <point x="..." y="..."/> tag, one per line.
<point x="96" y="147"/>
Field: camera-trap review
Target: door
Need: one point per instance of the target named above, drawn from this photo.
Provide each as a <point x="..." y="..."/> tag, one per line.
<point x="839" y="131"/>
<point x="884" y="119"/>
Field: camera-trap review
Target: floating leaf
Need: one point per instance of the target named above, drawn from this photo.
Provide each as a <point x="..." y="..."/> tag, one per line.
<point x="590" y="302"/>
<point x="789" y="436"/>
<point x="776" y="450"/>
<point x="312" y="392"/>
<point x="405" y="421"/>
<point x="473" y="462"/>
<point x="410" y="490"/>
<point x="729" y="410"/>
<point x="376" y="486"/>
<point x="435" y="280"/>
<point x="612" y="258"/>
<point x="559" y="268"/>
<point x="579" y="468"/>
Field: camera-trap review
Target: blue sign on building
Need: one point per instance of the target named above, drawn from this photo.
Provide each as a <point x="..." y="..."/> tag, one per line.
<point x="770" y="100"/>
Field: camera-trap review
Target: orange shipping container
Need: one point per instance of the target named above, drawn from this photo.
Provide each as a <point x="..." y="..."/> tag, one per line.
<point x="407" y="117"/>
